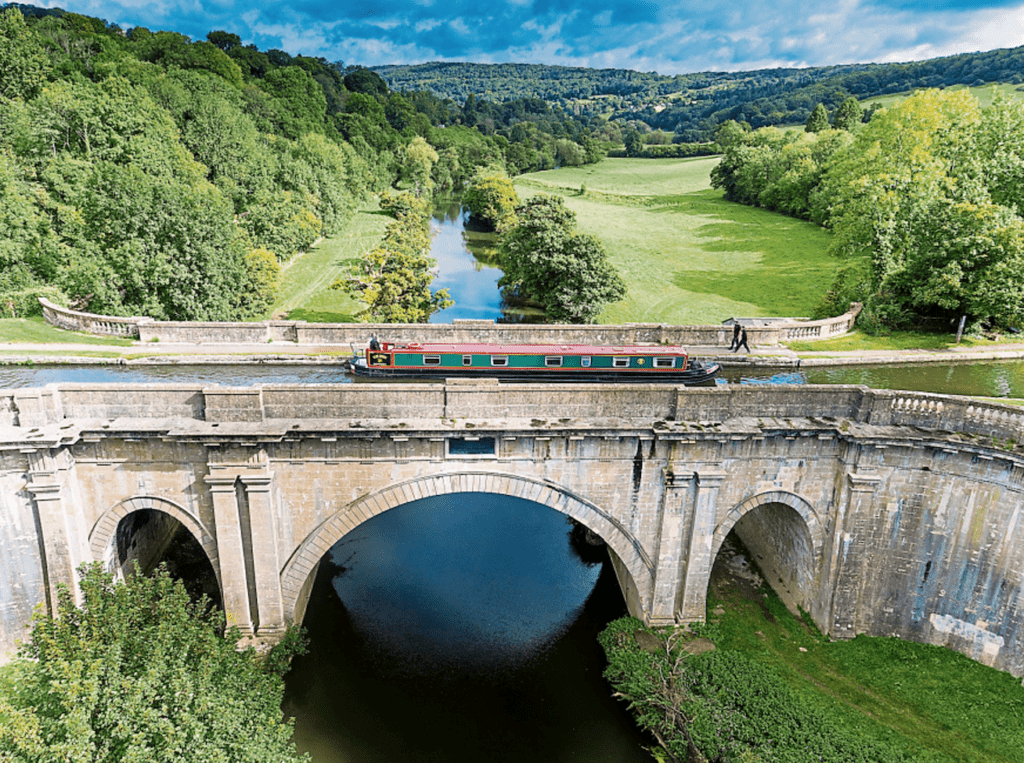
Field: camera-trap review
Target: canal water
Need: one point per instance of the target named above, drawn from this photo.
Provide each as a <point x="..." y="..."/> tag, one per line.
<point x="1004" y="378"/>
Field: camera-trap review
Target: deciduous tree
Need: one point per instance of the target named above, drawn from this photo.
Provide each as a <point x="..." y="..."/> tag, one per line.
<point x="545" y="258"/>
<point x="138" y="672"/>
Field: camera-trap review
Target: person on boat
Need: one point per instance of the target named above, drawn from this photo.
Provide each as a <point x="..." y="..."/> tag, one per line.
<point x="374" y="344"/>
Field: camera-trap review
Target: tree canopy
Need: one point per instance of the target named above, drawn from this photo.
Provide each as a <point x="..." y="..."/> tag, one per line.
<point x="138" y="672"/>
<point x="928" y="192"/>
<point x="393" y="279"/>
<point x="545" y="259"/>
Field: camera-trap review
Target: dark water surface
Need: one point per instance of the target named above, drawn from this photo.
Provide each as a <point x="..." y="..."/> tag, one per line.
<point x="460" y="628"/>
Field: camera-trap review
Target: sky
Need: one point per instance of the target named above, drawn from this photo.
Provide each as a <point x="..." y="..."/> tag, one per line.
<point x="668" y="38"/>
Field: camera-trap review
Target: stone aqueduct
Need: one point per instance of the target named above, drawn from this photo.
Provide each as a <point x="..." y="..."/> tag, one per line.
<point x="876" y="512"/>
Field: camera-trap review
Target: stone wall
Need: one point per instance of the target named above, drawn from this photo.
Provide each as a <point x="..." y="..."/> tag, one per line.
<point x="877" y="512"/>
<point x="351" y="335"/>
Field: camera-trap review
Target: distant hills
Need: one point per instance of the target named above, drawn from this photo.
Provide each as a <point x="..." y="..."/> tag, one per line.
<point x="690" y="105"/>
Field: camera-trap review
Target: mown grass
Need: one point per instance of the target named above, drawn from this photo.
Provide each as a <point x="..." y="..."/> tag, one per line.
<point x="984" y="93"/>
<point x="902" y="340"/>
<point x="305" y="292"/>
<point x="687" y="255"/>
<point x="936" y="705"/>
<point x="37" y="331"/>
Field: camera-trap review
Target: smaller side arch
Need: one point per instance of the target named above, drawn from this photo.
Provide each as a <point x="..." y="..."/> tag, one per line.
<point x="800" y="505"/>
<point x="307" y="555"/>
<point x="102" y="533"/>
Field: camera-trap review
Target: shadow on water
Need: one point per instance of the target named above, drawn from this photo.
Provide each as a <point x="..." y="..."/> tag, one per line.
<point x="460" y="629"/>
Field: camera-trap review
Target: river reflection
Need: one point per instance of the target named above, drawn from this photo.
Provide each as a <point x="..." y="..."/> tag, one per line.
<point x="467" y="267"/>
<point x="460" y="628"/>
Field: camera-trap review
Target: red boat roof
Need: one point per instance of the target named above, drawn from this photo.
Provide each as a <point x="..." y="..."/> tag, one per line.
<point x="540" y="349"/>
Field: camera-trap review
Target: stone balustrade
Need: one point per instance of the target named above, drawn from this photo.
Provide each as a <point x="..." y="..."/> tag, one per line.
<point x="88" y="323"/>
<point x="347" y="335"/>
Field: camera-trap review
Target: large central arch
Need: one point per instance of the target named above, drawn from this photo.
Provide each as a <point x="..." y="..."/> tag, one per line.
<point x="303" y="561"/>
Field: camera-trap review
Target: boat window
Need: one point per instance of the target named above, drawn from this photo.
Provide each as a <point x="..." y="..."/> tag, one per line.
<point x="553" y="361"/>
<point x="585" y="361"/>
<point x="664" y="362"/>
<point x="620" y="362"/>
<point x="431" y="360"/>
<point x="499" y="360"/>
<point x="467" y="360"/>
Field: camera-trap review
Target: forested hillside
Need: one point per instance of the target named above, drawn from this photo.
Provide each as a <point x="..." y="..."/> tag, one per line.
<point x="691" y="105"/>
<point x="145" y="173"/>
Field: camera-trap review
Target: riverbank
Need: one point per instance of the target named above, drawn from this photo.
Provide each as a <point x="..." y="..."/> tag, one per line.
<point x="782" y="686"/>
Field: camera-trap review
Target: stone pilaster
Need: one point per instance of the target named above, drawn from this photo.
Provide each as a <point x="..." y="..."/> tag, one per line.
<point x="231" y="552"/>
<point x="58" y="566"/>
<point x="701" y="537"/>
<point x="678" y="505"/>
<point x="51" y="513"/>
<point x="855" y="501"/>
<point x="266" y="565"/>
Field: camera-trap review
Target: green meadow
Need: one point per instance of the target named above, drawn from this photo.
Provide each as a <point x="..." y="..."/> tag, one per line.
<point x="305" y="293"/>
<point x="687" y="255"/>
<point x="984" y="93"/>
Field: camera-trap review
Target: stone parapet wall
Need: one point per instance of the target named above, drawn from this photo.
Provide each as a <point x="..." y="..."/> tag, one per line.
<point x="489" y="399"/>
<point x="348" y="335"/>
<point x="88" y="323"/>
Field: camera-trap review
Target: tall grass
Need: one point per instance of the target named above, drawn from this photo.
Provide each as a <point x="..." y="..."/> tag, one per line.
<point x="933" y="703"/>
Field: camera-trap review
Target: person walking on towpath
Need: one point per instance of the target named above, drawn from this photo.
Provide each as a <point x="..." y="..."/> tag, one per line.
<point x="735" y="343"/>
<point x="743" y="341"/>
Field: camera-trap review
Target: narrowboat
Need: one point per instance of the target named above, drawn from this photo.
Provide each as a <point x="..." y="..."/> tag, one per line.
<point x="539" y="362"/>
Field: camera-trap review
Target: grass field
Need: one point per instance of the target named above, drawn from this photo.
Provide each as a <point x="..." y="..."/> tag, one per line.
<point x="305" y="283"/>
<point x="935" y="704"/>
<point x="37" y="331"/>
<point x="984" y="94"/>
<point x="688" y="256"/>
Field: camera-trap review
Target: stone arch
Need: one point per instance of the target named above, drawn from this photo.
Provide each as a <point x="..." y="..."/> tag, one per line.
<point x="800" y="505"/>
<point x="102" y="533"/>
<point x="791" y="543"/>
<point x="303" y="561"/>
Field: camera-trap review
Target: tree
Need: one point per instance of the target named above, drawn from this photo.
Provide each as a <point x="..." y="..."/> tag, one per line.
<point x="633" y="141"/>
<point x="420" y="158"/>
<point x="848" y="115"/>
<point x="138" y="672"/>
<point x="818" y="120"/>
<point x="23" y="64"/>
<point x="545" y="259"/>
<point x="393" y="280"/>
<point x="492" y="200"/>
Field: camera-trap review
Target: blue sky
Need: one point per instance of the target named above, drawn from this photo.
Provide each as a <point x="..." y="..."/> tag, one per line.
<point x="669" y="38"/>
